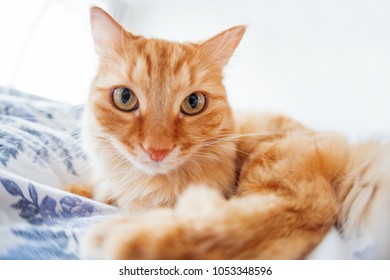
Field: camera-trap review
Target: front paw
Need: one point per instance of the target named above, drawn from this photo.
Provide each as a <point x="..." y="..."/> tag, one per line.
<point x="80" y="189"/>
<point x="136" y="236"/>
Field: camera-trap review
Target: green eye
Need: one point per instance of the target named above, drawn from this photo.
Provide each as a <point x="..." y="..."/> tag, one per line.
<point x="193" y="104"/>
<point x="124" y="99"/>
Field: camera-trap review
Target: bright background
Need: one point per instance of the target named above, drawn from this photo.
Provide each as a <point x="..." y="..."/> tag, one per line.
<point x="325" y="63"/>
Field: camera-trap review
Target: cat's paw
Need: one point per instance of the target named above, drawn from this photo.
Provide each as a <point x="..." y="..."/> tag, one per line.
<point x="80" y="189"/>
<point x="138" y="236"/>
<point x="199" y="200"/>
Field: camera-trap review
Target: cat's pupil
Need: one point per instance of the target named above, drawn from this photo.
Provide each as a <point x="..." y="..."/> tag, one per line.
<point x="125" y="95"/>
<point x="193" y="100"/>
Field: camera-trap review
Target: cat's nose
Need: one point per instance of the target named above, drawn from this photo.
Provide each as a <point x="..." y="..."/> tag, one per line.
<point x="157" y="155"/>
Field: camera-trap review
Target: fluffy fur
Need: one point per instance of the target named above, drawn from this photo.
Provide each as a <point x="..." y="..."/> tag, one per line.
<point x="227" y="186"/>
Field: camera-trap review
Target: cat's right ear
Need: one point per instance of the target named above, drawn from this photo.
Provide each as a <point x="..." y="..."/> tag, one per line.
<point x="107" y="33"/>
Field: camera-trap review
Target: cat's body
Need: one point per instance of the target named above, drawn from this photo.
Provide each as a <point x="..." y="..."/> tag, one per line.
<point x="160" y="133"/>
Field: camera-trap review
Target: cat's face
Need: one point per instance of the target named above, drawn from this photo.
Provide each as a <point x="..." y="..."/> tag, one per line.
<point x="156" y="102"/>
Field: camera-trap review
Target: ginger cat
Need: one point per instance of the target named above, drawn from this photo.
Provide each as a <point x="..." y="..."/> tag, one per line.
<point x="198" y="181"/>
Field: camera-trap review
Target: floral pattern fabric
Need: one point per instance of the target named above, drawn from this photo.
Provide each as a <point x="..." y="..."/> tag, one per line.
<point x="40" y="154"/>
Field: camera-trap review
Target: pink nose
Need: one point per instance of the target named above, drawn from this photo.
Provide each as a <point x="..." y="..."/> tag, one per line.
<point x="157" y="155"/>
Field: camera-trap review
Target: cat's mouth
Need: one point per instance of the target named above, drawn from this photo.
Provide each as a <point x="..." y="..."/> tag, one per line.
<point x="141" y="160"/>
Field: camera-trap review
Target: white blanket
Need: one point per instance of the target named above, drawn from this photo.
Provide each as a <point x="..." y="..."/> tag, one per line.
<point x="39" y="155"/>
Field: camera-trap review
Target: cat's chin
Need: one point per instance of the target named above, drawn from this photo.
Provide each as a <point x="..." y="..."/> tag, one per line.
<point x="154" y="168"/>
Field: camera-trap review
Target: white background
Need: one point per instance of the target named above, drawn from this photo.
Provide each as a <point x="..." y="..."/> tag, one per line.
<point x="325" y="63"/>
<point x="302" y="270"/>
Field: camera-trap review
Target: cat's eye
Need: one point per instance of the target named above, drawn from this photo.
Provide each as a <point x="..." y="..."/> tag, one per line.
<point x="193" y="104"/>
<point x="124" y="99"/>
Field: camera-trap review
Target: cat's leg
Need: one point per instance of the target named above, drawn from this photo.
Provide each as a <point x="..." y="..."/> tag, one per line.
<point x="203" y="226"/>
<point x="252" y="227"/>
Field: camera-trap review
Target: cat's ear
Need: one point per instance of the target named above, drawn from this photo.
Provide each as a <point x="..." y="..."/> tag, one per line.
<point x="106" y="32"/>
<point x="221" y="47"/>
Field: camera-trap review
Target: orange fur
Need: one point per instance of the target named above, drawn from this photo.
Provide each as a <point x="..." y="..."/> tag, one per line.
<point x="79" y="189"/>
<point x="234" y="187"/>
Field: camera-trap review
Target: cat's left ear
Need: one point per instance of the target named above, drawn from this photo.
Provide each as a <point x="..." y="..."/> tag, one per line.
<point x="221" y="47"/>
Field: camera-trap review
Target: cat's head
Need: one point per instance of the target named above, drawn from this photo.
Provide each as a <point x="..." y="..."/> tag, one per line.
<point x="158" y="102"/>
